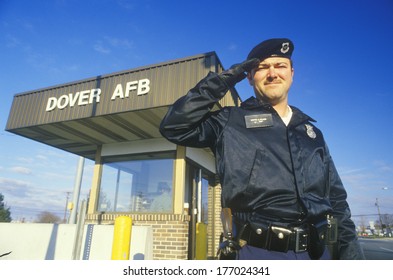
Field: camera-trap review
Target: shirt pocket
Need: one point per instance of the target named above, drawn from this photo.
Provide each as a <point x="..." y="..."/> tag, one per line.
<point x="267" y="175"/>
<point x="316" y="173"/>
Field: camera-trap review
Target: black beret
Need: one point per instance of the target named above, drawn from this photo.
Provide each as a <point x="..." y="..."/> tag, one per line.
<point x="280" y="47"/>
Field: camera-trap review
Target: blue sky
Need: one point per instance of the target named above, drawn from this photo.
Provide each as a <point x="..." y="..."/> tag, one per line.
<point x="343" y="71"/>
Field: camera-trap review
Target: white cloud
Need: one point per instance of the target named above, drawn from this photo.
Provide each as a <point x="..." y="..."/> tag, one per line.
<point x="25" y="159"/>
<point x="98" y="47"/>
<point x="232" y="47"/>
<point x="28" y="200"/>
<point x="106" y="45"/>
<point x="21" y="170"/>
<point x="12" y="42"/>
<point x="17" y="188"/>
<point x="121" y="43"/>
<point x="364" y="185"/>
<point x="128" y="5"/>
<point x="41" y="157"/>
<point x="383" y="166"/>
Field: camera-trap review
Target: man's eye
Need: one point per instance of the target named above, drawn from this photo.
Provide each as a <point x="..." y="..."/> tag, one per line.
<point x="281" y="66"/>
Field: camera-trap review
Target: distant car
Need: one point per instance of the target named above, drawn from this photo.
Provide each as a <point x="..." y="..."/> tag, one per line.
<point x="368" y="232"/>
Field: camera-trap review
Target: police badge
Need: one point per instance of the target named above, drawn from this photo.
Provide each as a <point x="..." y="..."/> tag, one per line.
<point x="310" y="131"/>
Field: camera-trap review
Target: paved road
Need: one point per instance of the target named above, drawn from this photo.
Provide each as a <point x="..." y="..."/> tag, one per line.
<point x="377" y="249"/>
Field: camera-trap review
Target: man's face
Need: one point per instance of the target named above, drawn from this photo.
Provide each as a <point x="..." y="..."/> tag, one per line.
<point x="272" y="79"/>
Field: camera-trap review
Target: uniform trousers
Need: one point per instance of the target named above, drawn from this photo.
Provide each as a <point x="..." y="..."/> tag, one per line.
<point x="254" y="253"/>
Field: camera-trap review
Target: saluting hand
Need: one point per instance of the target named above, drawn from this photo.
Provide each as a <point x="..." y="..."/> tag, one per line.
<point x="237" y="72"/>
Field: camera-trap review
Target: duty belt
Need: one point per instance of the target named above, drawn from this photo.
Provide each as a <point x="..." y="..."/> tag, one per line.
<point x="275" y="238"/>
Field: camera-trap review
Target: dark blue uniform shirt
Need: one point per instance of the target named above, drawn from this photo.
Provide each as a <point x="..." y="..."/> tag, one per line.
<point x="270" y="172"/>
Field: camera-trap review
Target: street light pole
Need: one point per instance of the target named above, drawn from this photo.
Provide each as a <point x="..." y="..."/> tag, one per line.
<point x="65" y="209"/>
<point x="77" y="190"/>
<point x="379" y="214"/>
<point x="389" y="229"/>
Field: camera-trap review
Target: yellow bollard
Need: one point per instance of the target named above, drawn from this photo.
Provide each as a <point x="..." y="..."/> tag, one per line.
<point x="121" y="238"/>
<point x="201" y="241"/>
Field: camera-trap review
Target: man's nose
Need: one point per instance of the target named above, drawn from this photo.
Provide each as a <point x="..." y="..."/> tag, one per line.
<point x="271" y="74"/>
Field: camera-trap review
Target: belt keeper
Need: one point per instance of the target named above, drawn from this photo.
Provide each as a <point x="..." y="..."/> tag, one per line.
<point x="281" y="232"/>
<point x="279" y="239"/>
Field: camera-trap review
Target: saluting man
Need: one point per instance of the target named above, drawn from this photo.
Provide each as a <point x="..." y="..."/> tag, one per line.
<point x="278" y="179"/>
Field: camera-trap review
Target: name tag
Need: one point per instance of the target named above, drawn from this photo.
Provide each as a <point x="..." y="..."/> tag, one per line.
<point x="261" y="120"/>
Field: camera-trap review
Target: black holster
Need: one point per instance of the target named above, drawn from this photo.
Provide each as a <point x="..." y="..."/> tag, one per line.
<point x="323" y="235"/>
<point x="331" y="238"/>
<point x="316" y="245"/>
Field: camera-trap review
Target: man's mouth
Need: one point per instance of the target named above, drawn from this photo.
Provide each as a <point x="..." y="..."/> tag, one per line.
<point x="272" y="84"/>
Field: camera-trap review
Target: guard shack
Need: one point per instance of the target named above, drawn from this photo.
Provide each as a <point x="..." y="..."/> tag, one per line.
<point x="114" y="119"/>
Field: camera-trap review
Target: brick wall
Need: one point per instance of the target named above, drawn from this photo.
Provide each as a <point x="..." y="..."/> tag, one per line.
<point x="170" y="232"/>
<point x="170" y="239"/>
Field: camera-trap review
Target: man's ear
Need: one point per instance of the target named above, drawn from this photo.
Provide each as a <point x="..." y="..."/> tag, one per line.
<point x="250" y="79"/>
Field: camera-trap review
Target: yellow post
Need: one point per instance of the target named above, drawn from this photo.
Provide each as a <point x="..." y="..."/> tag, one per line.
<point x="201" y="241"/>
<point x="121" y="238"/>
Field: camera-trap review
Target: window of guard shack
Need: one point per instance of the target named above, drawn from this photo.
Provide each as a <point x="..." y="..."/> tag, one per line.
<point x="137" y="185"/>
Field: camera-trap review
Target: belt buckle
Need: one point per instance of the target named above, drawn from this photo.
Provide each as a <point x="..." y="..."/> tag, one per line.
<point x="301" y="238"/>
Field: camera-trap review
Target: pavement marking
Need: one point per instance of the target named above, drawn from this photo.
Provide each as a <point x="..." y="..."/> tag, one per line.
<point x="386" y="249"/>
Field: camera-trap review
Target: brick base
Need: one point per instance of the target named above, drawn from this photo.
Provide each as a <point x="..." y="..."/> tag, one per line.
<point x="170" y="232"/>
<point x="170" y="239"/>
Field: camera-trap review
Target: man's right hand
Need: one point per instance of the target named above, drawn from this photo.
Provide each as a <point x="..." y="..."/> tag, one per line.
<point x="237" y="72"/>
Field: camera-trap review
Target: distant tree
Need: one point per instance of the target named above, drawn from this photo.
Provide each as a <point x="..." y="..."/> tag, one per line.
<point x="104" y="202"/>
<point x="387" y="219"/>
<point x="5" y="213"/>
<point x="48" y="217"/>
<point x="362" y="224"/>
